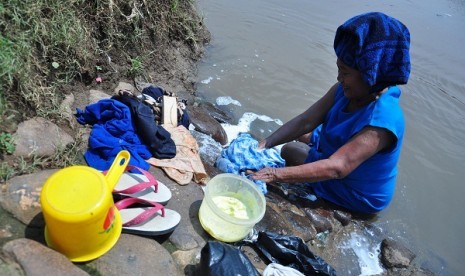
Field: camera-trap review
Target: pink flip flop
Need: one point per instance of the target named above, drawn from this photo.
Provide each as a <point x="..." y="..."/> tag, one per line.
<point x="149" y="221"/>
<point x="143" y="186"/>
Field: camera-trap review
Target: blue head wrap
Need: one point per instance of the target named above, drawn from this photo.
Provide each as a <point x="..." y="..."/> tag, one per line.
<point x="377" y="45"/>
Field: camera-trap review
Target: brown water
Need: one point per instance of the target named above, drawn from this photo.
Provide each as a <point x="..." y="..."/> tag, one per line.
<point x="275" y="58"/>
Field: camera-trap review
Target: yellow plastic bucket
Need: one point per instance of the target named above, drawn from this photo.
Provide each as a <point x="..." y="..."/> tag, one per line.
<point x="81" y="221"/>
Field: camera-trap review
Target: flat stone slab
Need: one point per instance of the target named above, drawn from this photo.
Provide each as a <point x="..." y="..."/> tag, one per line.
<point x="39" y="137"/>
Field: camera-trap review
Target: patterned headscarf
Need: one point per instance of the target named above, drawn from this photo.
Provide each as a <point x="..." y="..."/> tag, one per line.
<point x="377" y="45"/>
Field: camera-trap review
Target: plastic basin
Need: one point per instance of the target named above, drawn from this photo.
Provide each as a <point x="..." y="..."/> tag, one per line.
<point x="231" y="225"/>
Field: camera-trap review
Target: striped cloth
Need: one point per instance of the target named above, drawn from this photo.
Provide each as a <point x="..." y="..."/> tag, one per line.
<point x="377" y="45"/>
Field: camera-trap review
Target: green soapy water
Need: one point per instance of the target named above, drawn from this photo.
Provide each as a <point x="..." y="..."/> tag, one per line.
<point x="231" y="206"/>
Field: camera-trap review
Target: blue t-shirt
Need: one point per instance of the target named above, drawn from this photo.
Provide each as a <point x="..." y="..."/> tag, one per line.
<point x="370" y="187"/>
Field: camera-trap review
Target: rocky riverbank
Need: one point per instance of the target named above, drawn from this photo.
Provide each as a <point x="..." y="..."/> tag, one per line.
<point x="320" y="225"/>
<point x="324" y="229"/>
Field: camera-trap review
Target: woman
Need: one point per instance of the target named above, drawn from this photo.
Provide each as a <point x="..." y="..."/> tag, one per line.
<point x="357" y="126"/>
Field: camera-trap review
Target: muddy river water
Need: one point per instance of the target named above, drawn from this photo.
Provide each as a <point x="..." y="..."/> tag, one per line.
<point x="269" y="60"/>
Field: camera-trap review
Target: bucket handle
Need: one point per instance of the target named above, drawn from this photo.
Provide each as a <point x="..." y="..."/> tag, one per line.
<point x="117" y="169"/>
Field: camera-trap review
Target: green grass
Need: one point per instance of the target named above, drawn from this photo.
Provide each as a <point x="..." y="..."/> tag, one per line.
<point x="6" y="143"/>
<point x="136" y="67"/>
<point x="34" y="35"/>
<point x="46" y="44"/>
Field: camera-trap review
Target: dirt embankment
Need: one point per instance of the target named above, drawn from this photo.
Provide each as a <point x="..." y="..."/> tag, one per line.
<point x="55" y="48"/>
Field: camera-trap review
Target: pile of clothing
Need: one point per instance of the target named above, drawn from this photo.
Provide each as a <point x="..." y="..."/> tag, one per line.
<point x="133" y="123"/>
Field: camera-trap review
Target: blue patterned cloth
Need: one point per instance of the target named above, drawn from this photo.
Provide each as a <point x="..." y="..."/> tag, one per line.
<point x="242" y="155"/>
<point x="377" y="45"/>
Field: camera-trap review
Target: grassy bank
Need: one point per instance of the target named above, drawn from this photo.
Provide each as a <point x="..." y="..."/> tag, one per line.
<point x="47" y="44"/>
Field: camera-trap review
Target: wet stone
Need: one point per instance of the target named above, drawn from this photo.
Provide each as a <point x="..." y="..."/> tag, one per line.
<point x="206" y="124"/>
<point x="254" y="258"/>
<point x="395" y="254"/>
<point x="218" y="114"/>
<point x="209" y="149"/>
<point x="273" y="221"/>
<point x="319" y="219"/>
<point x="301" y="225"/>
<point x="343" y="217"/>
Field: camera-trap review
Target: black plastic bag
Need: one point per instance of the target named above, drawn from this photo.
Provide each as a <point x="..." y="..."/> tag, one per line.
<point x="291" y="251"/>
<point x="217" y="258"/>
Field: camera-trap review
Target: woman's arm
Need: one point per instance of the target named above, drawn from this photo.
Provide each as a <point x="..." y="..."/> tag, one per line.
<point x="303" y="123"/>
<point x="362" y="146"/>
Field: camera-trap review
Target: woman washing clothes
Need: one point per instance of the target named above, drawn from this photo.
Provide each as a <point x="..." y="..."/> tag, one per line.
<point x="356" y="129"/>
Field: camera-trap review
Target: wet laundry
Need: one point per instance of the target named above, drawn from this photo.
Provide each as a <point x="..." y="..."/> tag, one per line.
<point x="242" y="154"/>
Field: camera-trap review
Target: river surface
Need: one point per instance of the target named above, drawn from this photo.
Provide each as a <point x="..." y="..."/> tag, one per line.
<point x="275" y="58"/>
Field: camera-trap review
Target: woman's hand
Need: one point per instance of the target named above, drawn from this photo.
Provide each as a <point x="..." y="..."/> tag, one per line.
<point x="267" y="175"/>
<point x="262" y="144"/>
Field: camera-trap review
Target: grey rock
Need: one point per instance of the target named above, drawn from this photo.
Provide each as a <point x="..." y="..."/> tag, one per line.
<point x="67" y="111"/>
<point x="254" y="258"/>
<point x="395" y="254"/>
<point x="301" y="225"/>
<point x="320" y="218"/>
<point x="37" y="259"/>
<point x="136" y="255"/>
<point x="274" y="221"/>
<point x="84" y="134"/>
<point x="21" y="196"/>
<point x="206" y="124"/>
<point x="97" y="95"/>
<point x="209" y="149"/>
<point x="186" y="258"/>
<point x="141" y="85"/>
<point x="217" y="113"/>
<point x="10" y="268"/>
<point x="261" y="129"/>
<point x="39" y="137"/>
<point x="123" y="86"/>
<point x="343" y="217"/>
<point x="184" y="240"/>
<point x="186" y="200"/>
<point x="5" y="232"/>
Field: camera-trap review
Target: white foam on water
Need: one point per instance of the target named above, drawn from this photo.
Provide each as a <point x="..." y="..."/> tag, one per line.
<point x="207" y="81"/>
<point x="367" y="255"/>
<point x="244" y="124"/>
<point x="226" y="100"/>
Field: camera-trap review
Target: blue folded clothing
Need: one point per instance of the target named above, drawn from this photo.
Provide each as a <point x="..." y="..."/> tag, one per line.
<point x="112" y="132"/>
